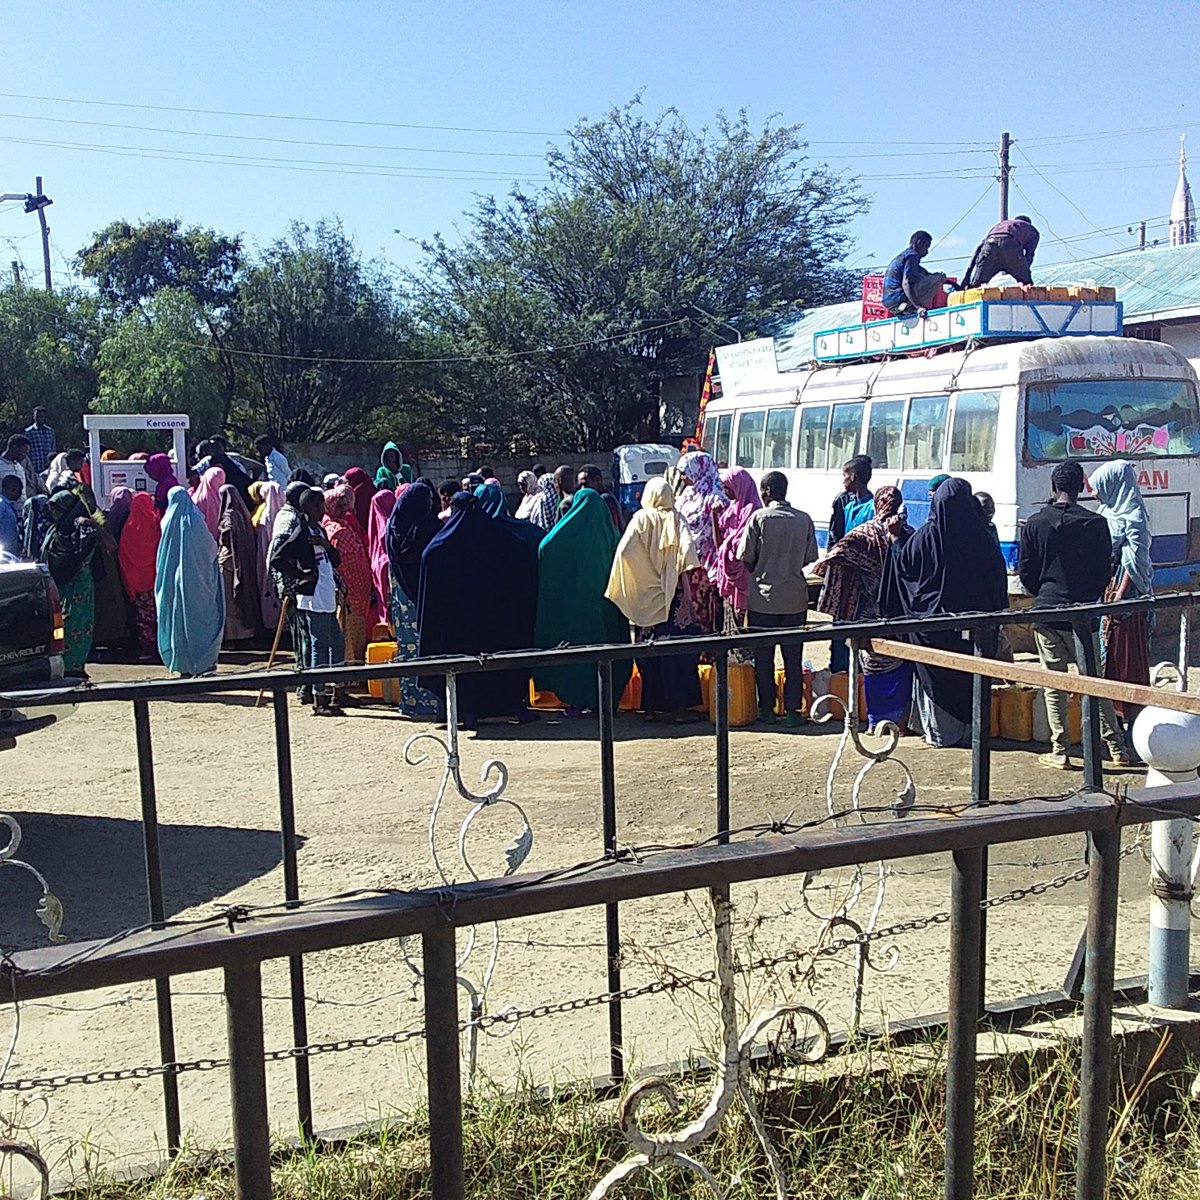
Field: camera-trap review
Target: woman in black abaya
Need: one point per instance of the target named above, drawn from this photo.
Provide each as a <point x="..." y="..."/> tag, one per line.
<point x="951" y="564"/>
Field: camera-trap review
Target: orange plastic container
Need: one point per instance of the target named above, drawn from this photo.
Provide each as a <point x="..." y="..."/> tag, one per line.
<point x="743" y="703"/>
<point x="805" y="693"/>
<point x="1074" y="718"/>
<point x="839" y="686"/>
<point x="1016" y="713"/>
<point x="543" y="700"/>
<point x="387" y="690"/>
<point x="631" y="697"/>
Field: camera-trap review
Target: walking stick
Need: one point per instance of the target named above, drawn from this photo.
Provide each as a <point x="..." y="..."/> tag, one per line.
<point x="283" y="610"/>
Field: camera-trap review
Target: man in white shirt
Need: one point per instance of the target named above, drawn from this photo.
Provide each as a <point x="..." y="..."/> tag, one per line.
<point x="276" y="463"/>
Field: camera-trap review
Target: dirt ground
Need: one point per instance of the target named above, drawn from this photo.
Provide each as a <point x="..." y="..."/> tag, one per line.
<point x="362" y="814"/>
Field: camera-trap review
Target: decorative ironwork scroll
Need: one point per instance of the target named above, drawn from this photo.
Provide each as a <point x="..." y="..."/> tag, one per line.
<point x="840" y="916"/>
<point x="653" y="1150"/>
<point x="494" y="776"/>
<point x="49" y="909"/>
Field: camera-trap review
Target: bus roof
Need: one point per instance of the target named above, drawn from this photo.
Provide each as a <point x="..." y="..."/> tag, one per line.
<point x="992" y="366"/>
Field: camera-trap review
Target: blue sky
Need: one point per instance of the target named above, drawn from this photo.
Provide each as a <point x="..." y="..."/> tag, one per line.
<point x="867" y="80"/>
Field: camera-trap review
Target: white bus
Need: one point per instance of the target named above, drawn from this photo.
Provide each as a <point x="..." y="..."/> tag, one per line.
<point x="999" y="416"/>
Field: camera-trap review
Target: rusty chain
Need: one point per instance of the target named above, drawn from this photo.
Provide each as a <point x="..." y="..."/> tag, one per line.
<point x="512" y="1016"/>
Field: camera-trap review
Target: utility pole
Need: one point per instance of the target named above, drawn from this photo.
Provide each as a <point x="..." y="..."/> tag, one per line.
<point x="16" y="270"/>
<point x="1005" y="143"/>
<point x="41" y="212"/>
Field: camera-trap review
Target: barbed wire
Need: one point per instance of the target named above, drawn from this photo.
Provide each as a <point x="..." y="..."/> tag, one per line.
<point x="674" y="981"/>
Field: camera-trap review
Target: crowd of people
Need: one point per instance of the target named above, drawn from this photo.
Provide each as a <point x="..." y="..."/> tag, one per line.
<point x="245" y="548"/>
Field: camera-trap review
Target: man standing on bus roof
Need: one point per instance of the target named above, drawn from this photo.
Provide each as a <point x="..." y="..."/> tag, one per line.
<point x="1008" y="248"/>
<point x="1065" y="558"/>
<point x="907" y="287"/>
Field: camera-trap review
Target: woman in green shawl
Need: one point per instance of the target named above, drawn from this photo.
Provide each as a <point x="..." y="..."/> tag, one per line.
<point x="391" y="462"/>
<point x="574" y="562"/>
<point x="67" y="551"/>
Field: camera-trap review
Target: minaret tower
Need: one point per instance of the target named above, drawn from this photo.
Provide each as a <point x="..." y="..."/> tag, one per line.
<point x="1183" y="210"/>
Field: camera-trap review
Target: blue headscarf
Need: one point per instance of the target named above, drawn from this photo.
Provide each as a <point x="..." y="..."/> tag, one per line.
<point x="1122" y="506"/>
<point x="490" y="498"/>
<point x="188" y="591"/>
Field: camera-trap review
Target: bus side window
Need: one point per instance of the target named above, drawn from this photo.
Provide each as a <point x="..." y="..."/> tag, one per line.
<point x="925" y="433"/>
<point x="973" y="431"/>
<point x="750" y="437"/>
<point x="777" y="449"/>
<point x="814" y="438"/>
<point x="716" y="438"/>
<point x="845" y="428"/>
<point x="885" y="427"/>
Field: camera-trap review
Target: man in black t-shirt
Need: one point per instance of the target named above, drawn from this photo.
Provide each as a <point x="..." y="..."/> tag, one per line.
<point x="1066" y="558"/>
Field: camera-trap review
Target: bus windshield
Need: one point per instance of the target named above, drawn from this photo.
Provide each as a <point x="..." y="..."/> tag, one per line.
<point x="1097" y="418"/>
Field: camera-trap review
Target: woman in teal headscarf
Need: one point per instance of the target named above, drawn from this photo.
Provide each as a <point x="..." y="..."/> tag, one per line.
<point x="391" y="463"/>
<point x="67" y="551"/>
<point x="188" y="590"/>
<point x="574" y="562"/>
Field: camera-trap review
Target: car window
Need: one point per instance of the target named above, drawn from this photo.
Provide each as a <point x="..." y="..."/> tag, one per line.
<point x="1102" y="418"/>
<point x="973" y="432"/>
<point x="925" y="433"/>
<point x="777" y="448"/>
<point x="845" y="427"/>
<point x="814" y="437"/>
<point x="885" y="427"/>
<point x="750" y="437"/>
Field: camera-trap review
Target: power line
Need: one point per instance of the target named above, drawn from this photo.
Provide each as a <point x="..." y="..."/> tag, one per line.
<point x="1066" y="139"/>
<point x="1037" y="170"/>
<point x="224" y="112"/>
<point x="317" y="166"/>
<point x="252" y="137"/>
<point x="364" y="123"/>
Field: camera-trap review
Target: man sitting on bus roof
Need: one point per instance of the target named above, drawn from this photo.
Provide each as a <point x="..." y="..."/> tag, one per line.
<point x="1008" y="249"/>
<point x="907" y="287"/>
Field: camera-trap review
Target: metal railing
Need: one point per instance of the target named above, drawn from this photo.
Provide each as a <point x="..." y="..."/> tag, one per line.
<point x="238" y="943"/>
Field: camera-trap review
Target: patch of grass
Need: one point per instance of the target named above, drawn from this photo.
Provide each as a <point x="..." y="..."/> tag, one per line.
<point x="872" y="1132"/>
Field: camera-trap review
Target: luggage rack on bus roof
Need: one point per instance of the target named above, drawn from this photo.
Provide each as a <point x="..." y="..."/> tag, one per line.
<point x="979" y="314"/>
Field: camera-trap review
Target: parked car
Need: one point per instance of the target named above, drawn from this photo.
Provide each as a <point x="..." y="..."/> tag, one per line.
<point x="31" y="651"/>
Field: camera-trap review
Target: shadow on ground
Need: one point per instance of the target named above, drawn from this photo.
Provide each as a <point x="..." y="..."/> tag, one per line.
<point x="95" y="866"/>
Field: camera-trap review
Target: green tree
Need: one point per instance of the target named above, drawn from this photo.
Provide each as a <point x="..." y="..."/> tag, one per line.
<point x="131" y="263"/>
<point x="48" y="346"/>
<point x="577" y="301"/>
<point x="315" y="330"/>
<point x="159" y="359"/>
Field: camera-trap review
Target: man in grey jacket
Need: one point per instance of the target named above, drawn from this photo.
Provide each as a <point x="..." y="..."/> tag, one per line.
<point x="779" y="542"/>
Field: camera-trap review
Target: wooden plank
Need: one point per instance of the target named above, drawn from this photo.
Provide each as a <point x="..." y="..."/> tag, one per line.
<point x="1062" y="681"/>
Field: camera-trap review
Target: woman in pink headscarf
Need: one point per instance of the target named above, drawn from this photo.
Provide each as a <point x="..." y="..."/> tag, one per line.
<point x="207" y="498"/>
<point x="733" y="577"/>
<point x="382" y="504"/>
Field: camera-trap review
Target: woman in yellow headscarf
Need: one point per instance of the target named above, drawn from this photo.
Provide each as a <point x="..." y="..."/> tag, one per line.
<point x="649" y="583"/>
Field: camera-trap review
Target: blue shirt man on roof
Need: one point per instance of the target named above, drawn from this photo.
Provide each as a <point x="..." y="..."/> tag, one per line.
<point x="907" y="287"/>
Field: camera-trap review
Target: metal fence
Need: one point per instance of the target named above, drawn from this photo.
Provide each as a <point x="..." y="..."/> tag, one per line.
<point x="240" y="940"/>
